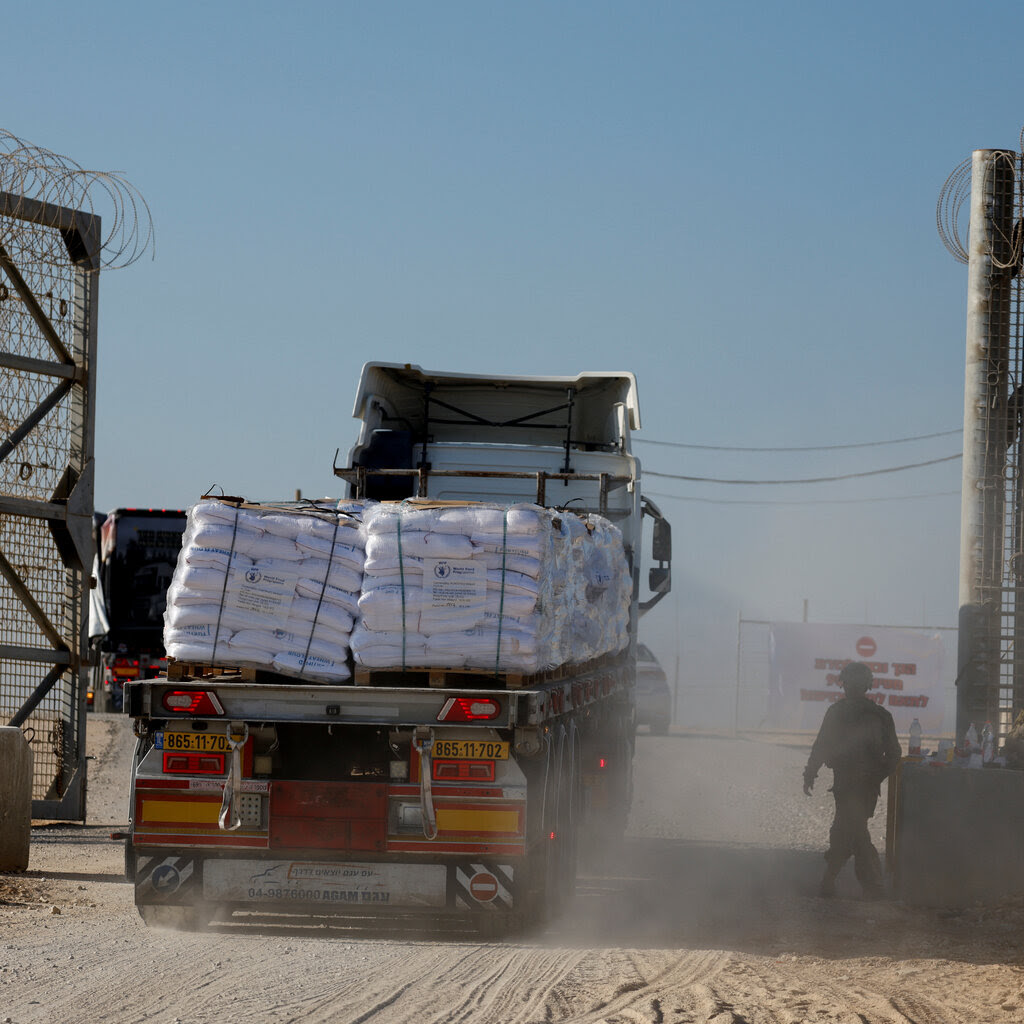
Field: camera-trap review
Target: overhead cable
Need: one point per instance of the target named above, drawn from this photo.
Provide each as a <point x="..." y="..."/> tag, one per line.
<point x="810" y="501"/>
<point x="807" y="448"/>
<point x="805" y="480"/>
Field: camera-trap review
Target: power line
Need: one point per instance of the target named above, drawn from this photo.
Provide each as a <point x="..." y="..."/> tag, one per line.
<point x="806" y="480"/>
<point x="806" y="448"/>
<point x="811" y="501"/>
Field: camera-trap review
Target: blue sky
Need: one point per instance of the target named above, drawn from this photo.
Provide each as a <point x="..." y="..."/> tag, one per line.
<point x="735" y="201"/>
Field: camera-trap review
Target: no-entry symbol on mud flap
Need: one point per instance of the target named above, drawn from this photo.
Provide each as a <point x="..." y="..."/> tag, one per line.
<point x="483" y="887"/>
<point x="866" y="647"/>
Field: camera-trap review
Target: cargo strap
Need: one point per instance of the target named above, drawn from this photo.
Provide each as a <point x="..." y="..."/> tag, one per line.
<point x="401" y="572"/>
<point x="230" y="819"/>
<point x="422" y="743"/>
<point x="501" y="601"/>
<point x="224" y="589"/>
<point x="320" y="600"/>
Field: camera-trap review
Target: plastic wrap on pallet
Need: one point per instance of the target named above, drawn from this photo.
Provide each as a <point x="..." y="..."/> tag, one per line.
<point x="267" y="586"/>
<point x="506" y="589"/>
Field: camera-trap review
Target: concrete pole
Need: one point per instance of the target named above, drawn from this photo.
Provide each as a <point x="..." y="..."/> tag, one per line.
<point x="15" y="799"/>
<point x="986" y="437"/>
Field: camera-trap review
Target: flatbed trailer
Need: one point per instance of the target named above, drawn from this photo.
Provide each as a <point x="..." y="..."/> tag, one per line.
<point x="432" y="821"/>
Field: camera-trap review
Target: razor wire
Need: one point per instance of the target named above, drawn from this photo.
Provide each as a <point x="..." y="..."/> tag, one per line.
<point x="31" y="175"/>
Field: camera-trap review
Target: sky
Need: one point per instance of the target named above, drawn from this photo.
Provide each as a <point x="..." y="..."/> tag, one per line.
<point x="734" y="201"/>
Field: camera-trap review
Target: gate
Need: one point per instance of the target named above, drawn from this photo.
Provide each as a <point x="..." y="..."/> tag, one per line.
<point x="51" y="251"/>
<point x="49" y="256"/>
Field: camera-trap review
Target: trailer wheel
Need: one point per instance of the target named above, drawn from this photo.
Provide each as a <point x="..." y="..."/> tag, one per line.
<point x="177" y="918"/>
<point x="181" y="919"/>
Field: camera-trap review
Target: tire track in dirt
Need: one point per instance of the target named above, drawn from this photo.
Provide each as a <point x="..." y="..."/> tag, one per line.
<point x="783" y="991"/>
<point x="647" y="998"/>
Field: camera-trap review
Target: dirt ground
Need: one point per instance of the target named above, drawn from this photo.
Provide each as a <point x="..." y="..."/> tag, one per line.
<point x="706" y="914"/>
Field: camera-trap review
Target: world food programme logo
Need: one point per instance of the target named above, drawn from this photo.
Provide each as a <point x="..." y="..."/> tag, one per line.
<point x="442" y="571"/>
<point x="253" y="575"/>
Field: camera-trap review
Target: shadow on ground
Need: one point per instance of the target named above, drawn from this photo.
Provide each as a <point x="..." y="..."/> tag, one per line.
<point x="676" y="893"/>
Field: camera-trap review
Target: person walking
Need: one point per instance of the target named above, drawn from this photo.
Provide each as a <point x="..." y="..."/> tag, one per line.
<point x="857" y="740"/>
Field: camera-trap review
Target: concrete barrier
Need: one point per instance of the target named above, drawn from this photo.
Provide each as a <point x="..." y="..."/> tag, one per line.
<point x="15" y="799"/>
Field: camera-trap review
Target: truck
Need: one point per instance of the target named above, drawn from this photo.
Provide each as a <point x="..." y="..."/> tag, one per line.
<point x="135" y="554"/>
<point x="459" y="796"/>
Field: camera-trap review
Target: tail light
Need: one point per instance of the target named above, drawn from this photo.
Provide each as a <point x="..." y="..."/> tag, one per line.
<point x="194" y="764"/>
<point x="192" y="702"/>
<point x="469" y="709"/>
<point x="463" y="771"/>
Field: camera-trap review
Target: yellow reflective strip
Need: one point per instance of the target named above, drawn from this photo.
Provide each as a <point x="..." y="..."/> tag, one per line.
<point x="205" y="813"/>
<point x="452" y="819"/>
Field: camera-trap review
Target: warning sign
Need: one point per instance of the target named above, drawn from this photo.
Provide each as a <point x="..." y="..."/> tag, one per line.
<point x="907" y="666"/>
<point x="483" y="887"/>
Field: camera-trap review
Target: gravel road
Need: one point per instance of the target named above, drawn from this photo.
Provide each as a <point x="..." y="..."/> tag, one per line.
<point x="706" y="913"/>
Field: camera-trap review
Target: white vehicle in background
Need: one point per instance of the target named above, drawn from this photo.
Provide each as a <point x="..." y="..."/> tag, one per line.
<point x="653" y="697"/>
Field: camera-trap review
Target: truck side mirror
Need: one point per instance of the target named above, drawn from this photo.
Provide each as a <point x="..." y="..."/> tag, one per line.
<point x="659" y="580"/>
<point x="661" y="542"/>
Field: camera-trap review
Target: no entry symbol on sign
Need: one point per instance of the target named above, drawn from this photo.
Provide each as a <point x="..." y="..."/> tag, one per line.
<point x="483" y="887"/>
<point x="866" y="647"/>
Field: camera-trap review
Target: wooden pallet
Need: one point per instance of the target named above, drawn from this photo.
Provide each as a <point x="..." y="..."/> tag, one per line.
<point x="190" y="671"/>
<point x="469" y="678"/>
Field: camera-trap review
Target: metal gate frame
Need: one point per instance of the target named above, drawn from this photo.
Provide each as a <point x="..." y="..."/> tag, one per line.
<point x="68" y="513"/>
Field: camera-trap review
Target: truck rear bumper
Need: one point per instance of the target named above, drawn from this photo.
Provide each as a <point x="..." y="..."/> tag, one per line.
<point x="174" y="878"/>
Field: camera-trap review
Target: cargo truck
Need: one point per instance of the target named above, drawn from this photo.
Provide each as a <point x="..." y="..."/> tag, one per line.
<point x="463" y="796"/>
<point x="136" y="549"/>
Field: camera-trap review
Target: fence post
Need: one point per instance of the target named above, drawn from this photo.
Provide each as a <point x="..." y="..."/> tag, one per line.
<point x="15" y="799"/>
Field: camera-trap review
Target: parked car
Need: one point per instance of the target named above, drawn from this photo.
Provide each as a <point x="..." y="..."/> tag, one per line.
<point x="653" y="698"/>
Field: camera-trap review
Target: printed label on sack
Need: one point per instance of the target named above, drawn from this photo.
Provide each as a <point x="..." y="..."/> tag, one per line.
<point x="455" y="583"/>
<point x="264" y="595"/>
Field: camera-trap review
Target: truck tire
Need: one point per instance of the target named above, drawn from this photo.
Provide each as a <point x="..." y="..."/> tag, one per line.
<point x="181" y="919"/>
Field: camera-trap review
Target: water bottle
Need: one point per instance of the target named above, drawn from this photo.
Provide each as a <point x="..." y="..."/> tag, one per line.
<point x="971" y="740"/>
<point x="914" y="750"/>
<point x="988" y="744"/>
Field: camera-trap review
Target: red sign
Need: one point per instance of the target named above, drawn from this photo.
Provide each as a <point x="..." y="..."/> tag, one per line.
<point x="483" y="887"/>
<point x="866" y="647"/>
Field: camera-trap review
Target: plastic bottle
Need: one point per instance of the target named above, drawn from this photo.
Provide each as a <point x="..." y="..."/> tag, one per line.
<point x="988" y="744"/>
<point x="914" y="750"/>
<point x="971" y="740"/>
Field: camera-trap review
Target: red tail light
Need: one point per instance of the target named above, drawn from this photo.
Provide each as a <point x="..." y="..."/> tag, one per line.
<point x="193" y="702"/>
<point x="469" y="709"/>
<point x="602" y="763"/>
<point x="194" y="764"/>
<point x="463" y="771"/>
